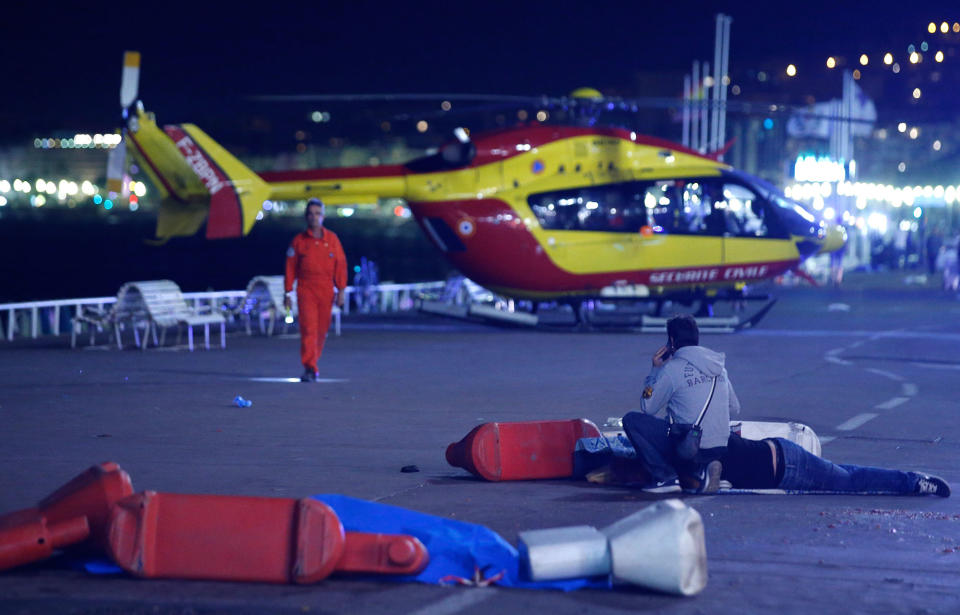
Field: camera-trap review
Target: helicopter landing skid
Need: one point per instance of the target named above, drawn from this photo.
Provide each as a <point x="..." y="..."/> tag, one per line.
<point x="587" y="316"/>
<point x="711" y="324"/>
<point x="479" y="312"/>
<point x="628" y="315"/>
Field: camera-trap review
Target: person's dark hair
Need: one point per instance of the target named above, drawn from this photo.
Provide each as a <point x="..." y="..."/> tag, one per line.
<point x="683" y="330"/>
<point x="314" y="202"/>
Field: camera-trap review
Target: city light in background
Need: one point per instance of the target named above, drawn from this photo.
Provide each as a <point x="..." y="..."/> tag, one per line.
<point x="72" y="193"/>
<point x="79" y="141"/>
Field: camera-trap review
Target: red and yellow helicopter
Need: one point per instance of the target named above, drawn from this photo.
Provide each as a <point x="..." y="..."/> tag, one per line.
<point x="534" y="212"/>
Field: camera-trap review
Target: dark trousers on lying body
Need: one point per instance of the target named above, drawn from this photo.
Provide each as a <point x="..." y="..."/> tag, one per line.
<point x="657" y="451"/>
<point x="804" y="471"/>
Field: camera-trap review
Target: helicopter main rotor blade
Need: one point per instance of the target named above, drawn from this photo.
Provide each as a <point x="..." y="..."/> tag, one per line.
<point x="130" y="79"/>
<point x="129" y="87"/>
<point x="597" y="105"/>
<point x="394" y="97"/>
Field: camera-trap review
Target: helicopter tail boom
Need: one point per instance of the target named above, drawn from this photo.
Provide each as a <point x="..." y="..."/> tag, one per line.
<point x="197" y="179"/>
<point x="339" y="186"/>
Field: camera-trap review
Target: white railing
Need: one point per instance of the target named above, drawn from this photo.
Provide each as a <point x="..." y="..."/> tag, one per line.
<point x="25" y="318"/>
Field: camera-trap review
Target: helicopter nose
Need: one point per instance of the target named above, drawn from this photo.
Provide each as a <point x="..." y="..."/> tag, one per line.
<point x="834" y="239"/>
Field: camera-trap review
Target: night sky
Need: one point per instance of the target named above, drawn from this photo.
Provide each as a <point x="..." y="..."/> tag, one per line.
<point x="61" y="66"/>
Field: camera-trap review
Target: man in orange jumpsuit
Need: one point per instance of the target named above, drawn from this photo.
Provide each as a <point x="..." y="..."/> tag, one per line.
<point x="316" y="260"/>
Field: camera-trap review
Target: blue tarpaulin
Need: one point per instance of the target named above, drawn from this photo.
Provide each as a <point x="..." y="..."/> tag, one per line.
<point x="456" y="548"/>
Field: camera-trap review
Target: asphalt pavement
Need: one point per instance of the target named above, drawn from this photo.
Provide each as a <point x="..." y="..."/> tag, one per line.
<point x="873" y="368"/>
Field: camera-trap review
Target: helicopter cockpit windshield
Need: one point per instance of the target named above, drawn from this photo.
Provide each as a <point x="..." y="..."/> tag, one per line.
<point x="798" y="219"/>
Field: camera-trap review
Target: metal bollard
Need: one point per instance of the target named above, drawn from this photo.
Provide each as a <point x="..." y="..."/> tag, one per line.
<point x="661" y="547"/>
<point x="564" y="553"/>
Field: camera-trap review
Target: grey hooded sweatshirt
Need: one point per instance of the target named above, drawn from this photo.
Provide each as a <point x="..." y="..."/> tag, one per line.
<point x="679" y="388"/>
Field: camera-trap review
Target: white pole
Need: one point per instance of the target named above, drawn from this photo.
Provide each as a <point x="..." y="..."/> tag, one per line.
<point x="851" y="97"/>
<point x="715" y="110"/>
<point x="845" y="113"/>
<point x="695" y="135"/>
<point x="724" y="75"/>
<point x="834" y="131"/>
<point x="841" y="125"/>
<point x="686" y="111"/>
<point x="705" y="105"/>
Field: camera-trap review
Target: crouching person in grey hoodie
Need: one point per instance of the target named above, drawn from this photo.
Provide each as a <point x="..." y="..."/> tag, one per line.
<point x="677" y="391"/>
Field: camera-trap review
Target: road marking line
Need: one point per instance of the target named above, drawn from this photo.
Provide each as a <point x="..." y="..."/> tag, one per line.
<point x="857" y="421"/>
<point x="840" y="333"/>
<point x="890" y="404"/>
<point x="935" y="366"/>
<point x="909" y="389"/>
<point x="460" y="601"/>
<point x="835" y="360"/>
<point x="831" y="357"/>
<point x="885" y="374"/>
<point x="265" y="379"/>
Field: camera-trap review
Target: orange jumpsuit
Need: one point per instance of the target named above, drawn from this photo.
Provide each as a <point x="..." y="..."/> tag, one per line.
<point x="318" y="264"/>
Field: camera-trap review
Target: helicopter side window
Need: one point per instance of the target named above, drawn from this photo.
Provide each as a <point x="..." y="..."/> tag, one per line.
<point x="555" y="211"/>
<point x="742" y="212"/>
<point x="660" y="202"/>
<point x="595" y="206"/>
<point x="702" y="211"/>
<point x="634" y="211"/>
<point x="611" y="208"/>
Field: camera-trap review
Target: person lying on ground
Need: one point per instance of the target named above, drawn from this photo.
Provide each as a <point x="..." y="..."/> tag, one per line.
<point x="777" y="463"/>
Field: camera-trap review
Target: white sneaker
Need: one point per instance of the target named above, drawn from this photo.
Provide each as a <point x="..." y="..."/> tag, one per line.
<point x="932" y="485"/>
<point x="671" y="485"/>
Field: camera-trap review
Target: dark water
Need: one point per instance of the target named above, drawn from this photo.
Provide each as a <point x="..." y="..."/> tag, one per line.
<point x="58" y="254"/>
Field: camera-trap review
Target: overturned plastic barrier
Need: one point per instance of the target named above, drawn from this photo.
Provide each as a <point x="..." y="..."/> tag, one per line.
<point x="520" y="450"/>
<point x="77" y="513"/>
<point x="229" y="538"/>
<point x="661" y="547"/>
<point x="238" y="538"/>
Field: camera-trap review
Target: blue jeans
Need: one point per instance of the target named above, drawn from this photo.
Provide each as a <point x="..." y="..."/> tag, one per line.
<point x="804" y="471"/>
<point x="650" y="437"/>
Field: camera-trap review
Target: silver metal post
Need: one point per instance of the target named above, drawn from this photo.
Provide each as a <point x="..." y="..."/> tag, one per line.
<point x="695" y="136"/>
<point x="724" y="77"/>
<point x="717" y="76"/>
<point x="705" y="105"/>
